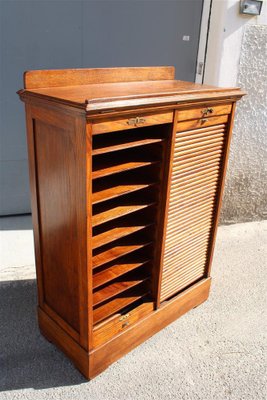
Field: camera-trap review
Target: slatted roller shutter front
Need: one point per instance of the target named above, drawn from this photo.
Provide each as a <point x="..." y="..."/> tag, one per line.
<point x="196" y="169"/>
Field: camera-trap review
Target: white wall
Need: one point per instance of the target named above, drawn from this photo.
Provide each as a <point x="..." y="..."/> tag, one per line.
<point x="225" y="38"/>
<point x="237" y="56"/>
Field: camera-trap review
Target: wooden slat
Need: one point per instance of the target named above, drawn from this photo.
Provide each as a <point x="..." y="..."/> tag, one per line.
<point x="190" y="210"/>
<point x="115" y="271"/>
<point x="177" y="279"/>
<point x="190" y="216"/>
<point x="186" y="270"/>
<point x="117" y="212"/>
<point x="193" y="204"/>
<point x="198" y="184"/>
<point x="195" y="176"/>
<point x="189" y="229"/>
<point x="116" y="252"/>
<point x="186" y="281"/>
<point x="184" y="260"/>
<point x="187" y="225"/>
<point x="195" y="154"/>
<point x="189" y="277"/>
<point x="119" y="303"/>
<point x="208" y="170"/>
<point x="197" y="160"/>
<point x="187" y="234"/>
<point x="192" y="135"/>
<point x="106" y="170"/>
<point x="214" y="145"/>
<point x="118" y="190"/>
<point x="201" y="123"/>
<point x="200" y="130"/>
<point x="115" y="288"/>
<point x="195" y="185"/>
<point x="198" y="191"/>
<point x="192" y="143"/>
<point x="116" y="233"/>
<point x="186" y="245"/>
<point x="200" y="221"/>
<point x="202" y="198"/>
<point x="128" y="143"/>
<point x="190" y="199"/>
<point x="185" y="256"/>
<point x="198" y="167"/>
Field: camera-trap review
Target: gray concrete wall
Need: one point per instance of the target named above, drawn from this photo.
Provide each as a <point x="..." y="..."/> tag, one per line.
<point x="245" y="196"/>
<point x="78" y="34"/>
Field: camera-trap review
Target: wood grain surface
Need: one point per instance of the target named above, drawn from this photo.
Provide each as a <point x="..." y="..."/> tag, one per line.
<point x="127" y="168"/>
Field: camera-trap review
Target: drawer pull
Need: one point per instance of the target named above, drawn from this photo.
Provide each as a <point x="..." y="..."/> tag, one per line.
<point x="204" y="120"/>
<point x="126" y="323"/>
<point x="207" y="111"/>
<point x="123" y="317"/>
<point x="135" y="121"/>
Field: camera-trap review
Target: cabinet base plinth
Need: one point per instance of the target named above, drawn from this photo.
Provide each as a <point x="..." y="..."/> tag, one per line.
<point x="93" y="363"/>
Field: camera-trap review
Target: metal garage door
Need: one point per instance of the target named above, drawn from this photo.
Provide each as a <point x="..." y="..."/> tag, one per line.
<point x="70" y="34"/>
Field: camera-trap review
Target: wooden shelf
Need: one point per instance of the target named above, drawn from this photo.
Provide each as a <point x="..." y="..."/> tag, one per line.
<point x="120" y="302"/>
<point x="115" y="271"/>
<point x="113" y="289"/>
<point x="124" y="202"/>
<point x="117" y="251"/>
<point x="106" y="169"/>
<point x="117" y="212"/>
<point x="119" y="190"/>
<point x="116" y="233"/>
<point x="122" y="144"/>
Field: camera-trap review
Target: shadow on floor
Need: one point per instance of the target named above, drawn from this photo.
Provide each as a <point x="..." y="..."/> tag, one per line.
<point x="27" y="360"/>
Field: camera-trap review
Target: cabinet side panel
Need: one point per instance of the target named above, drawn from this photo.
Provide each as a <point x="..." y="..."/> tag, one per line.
<point x="221" y="184"/>
<point x="61" y="235"/>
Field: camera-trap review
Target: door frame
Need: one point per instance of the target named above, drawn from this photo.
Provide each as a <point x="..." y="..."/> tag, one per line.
<point x="203" y="41"/>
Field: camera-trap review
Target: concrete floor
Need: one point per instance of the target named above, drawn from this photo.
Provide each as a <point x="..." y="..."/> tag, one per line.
<point x="214" y="352"/>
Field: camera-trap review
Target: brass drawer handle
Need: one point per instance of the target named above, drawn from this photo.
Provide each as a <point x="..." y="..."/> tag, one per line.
<point x="125" y="316"/>
<point x="207" y="111"/>
<point x="203" y="120"/>
<point x="135" y="121"/>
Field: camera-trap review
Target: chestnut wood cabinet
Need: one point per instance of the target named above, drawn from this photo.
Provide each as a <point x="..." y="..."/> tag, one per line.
<point x="127" y="167"/>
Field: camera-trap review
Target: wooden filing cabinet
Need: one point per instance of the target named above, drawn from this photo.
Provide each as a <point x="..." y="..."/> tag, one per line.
<point x="127" y="167"/>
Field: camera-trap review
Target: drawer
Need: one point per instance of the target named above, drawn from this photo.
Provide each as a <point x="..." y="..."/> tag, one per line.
<point x="106" y="330"/>
<point x="204" y="112"/>
<point x="131" y="122"/>
<point x="201" y="123"/>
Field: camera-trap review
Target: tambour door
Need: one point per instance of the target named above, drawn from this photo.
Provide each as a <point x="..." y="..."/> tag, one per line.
<point x="197" y="166"/>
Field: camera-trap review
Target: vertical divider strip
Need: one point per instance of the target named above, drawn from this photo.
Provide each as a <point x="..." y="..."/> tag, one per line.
<point x="89" y="146"/>
<point x="166" y="174"/>
<point x="220" y="188"/>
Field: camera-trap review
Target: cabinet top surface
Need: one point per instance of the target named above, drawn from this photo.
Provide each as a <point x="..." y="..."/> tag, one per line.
<point x="115" y="88"/>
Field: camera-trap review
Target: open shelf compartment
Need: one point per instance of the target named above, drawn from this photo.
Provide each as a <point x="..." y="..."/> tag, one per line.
<point x="128" y="170"/>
